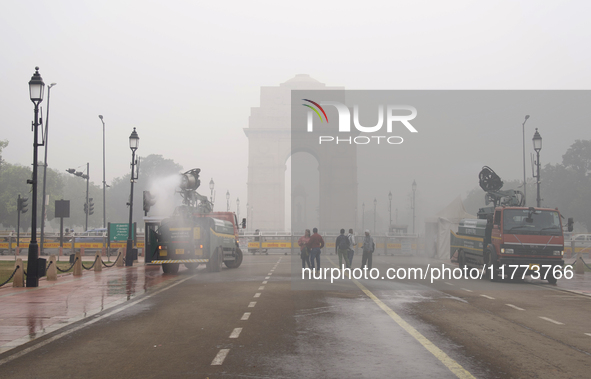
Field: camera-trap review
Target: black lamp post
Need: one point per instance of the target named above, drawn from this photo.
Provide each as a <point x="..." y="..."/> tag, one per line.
<point x="134" y="142"/>
<point x="36" y="88"/>
<point x="228" y="201"/>
<point x="414" y="190"/>
<point x="375" y="204"/>
<point x="537" y="147"/>
<point x="363" y="216"/>
<point x="104" y="182"/>
<point x="523" y="131"/>
<point x="390" y="210"/>
<point x="211" y="186"/>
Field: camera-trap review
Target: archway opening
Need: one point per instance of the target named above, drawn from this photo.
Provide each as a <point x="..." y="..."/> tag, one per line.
<point x="302" y="193"/>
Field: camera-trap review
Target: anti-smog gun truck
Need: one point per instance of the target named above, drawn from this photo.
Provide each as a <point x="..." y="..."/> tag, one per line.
<point x="509" y="238"/>
<point x="194" y="234"/>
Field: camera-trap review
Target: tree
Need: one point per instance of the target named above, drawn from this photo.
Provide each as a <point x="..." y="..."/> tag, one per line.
<point x="3" y="144"/>
<point x="578" y="157"/>
<point x="152" y="168"/>
<point x="13" y="182"/>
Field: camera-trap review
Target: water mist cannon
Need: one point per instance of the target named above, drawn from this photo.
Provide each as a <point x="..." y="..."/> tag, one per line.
<point x="190" y="180"/>
<point x="491" y="183"/>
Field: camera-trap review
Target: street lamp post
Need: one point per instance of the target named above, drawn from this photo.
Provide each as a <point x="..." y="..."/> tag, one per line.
<point x="537" y="147"/>
<point x="134" y="141"/>
<point x="414" y="205"/>
<point x="248" y="220"/>
<point x="228" y="201"/>
<point x="238" y="209"/>
<point x="45" y="169"/>
<point x="104" y="182"/>
<point x="363" y="216"/>
<point x="523" y="131"/>
<point x="390" y="210"/>
<point x="375" y="204"/>
<point x="36" y="87"/>
<point x="87" y="181"/>
<point x="211" y="186"/>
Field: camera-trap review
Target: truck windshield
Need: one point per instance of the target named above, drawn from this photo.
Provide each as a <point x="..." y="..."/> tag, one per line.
<point x="516" y="221"/>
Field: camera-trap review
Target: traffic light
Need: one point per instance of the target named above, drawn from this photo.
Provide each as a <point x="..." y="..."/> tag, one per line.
<point x="90" y="206"/>
<point x="149" y="200"/>
<point x="243" y="223"/>
<point x="21" y="204"/>
<point x="85" y="208"/>
<point x="71" y="170"/>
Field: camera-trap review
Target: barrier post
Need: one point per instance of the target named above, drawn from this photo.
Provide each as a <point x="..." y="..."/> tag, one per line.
<point x="120" y="257"/>
<point x="19" y="277"/>
<point x="52" y="270"/>
<point x="98" y="266"/>
<point x="78" y="264"/>
<point x="579" y="265"/>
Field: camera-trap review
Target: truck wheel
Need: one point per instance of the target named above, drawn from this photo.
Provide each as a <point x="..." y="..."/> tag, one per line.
<point x="461" y="260"/>
<point x="170" y="268"/>
<point x="237" y="262"/>
<point x="491" y="260"/>
<point x="551" y="278"/>
<point x="191" y="266"/>
<point x="215" y="261"/>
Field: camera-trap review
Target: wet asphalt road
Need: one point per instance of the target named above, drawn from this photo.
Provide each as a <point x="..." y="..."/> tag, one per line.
<point x="256" y="322"/>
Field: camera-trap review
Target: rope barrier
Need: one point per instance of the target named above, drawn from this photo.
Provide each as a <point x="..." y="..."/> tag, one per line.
<point x="586" y="265"/>
<point x="113" y="264"/>
<point x="69" y="268"/>
<point x="93" y="263"/>
<point x="11" y="276"/>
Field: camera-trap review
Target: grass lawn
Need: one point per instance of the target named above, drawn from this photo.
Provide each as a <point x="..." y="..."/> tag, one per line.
<point x="7" y="267"/>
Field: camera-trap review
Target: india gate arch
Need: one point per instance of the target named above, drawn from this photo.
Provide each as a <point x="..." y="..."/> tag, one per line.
<point x="270" y="141"/>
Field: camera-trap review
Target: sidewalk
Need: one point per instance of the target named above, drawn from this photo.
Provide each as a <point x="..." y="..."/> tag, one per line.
<point x="29" y="313"/>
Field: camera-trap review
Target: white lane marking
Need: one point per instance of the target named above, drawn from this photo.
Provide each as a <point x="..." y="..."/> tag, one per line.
<point x="267" y="277"/>
<point x="513" y="306"/>
<point x="270" y="274"/>
<point x="74" y="329"/>
<point x="219" y="359"/>
<point x="588" y="334"/>
<point x="265" y="282"/>
<point x="235" y="333"/>
<point x="252" y="304"/>
<point x="261" y="288"/>
<point x="467" y="290"/>
<point x="258" y="294"/>
<point x="552" y="321"/>
<point x="245" y="316"/>
<point x="488" y="297"/>
<point x="449" y="284"/>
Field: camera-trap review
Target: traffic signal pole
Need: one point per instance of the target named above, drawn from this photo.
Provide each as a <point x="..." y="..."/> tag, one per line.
<point x="87" y="180"/>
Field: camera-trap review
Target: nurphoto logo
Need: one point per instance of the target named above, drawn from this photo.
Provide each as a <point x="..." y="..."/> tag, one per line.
<point x="392" y="116"/>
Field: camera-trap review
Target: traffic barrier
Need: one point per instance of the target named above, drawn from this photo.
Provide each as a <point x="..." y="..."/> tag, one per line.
<point x="120" y="261"/>
<point x="77" y="265"/>
<point x="99" y="267"/>
<point x="11" y="276"/>
<point x="19" y="274"/>
<point x="52" y="269"/>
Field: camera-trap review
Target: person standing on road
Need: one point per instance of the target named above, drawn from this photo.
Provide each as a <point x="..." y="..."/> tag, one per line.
<point x="315" y="243"/>
<point x="304" y="251"/>
<point x="352" y="246"/>
<point x="368" y="249"/>
<point x="341" y="247"/>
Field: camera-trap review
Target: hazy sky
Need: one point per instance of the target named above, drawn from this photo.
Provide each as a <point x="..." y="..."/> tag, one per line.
<point x="186" y="74"/>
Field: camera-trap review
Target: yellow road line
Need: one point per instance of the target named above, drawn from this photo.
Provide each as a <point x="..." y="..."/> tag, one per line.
<point x="450" y="363"/>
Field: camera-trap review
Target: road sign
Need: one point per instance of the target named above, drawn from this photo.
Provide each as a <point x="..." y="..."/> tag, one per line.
<point x="120" y="232"/>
